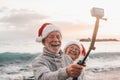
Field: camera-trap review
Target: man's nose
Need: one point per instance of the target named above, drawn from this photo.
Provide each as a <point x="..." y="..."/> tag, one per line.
<point x="55" y="38"/>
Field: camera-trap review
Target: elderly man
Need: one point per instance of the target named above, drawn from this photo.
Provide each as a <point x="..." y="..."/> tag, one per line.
<point x="52" y="64"/>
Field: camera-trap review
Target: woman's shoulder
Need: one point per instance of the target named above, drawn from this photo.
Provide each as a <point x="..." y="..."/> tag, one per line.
<point x="68" y="58"/>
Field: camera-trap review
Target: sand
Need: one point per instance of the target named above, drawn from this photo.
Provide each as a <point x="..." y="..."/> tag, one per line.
<point x="91" y="74"/>
<point x="104" y="75"/>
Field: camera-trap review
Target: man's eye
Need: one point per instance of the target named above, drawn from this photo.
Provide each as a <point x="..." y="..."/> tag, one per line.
<point x="51" y="37"/>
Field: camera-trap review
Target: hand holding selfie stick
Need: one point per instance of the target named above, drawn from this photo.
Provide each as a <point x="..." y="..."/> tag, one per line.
<point x="98" y="13"/>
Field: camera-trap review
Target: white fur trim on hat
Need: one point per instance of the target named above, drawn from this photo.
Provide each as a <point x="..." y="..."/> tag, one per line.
<point x="48" y="29"/>
<point x="76" y="42"/>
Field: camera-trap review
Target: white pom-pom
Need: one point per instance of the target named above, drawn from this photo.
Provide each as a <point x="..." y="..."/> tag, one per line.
<point x="39" y="39"/>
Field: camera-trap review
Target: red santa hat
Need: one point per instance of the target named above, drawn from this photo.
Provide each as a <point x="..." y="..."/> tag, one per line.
<point x="83" y="50"/>
<point x="45" y="29"/>
<point x="79" y="44"/>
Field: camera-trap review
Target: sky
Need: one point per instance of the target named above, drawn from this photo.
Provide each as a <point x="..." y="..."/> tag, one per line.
<point x="21" y="19"/>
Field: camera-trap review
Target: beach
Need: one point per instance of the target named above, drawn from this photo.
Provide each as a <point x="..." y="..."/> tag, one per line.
<point x="102" y="64"/>
<point x="23" y="71"/>
<point x="20" y="70"/>
<point x="105" y="75"/>
<point x="99" y="67"/>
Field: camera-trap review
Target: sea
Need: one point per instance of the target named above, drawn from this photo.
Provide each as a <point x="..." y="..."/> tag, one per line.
<point x="16" y="57"/>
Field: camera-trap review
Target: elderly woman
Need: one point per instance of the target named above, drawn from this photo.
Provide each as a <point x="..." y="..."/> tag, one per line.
<point x="75" y="49"/>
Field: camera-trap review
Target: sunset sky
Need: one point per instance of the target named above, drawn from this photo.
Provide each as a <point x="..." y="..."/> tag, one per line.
<point x="22" y="18"/>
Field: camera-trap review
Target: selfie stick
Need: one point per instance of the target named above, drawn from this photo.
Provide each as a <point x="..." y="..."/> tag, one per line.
<point x="92" y="42"/>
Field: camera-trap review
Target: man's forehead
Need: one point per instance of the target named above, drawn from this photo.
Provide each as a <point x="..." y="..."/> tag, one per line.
<point x="54" y="33"/>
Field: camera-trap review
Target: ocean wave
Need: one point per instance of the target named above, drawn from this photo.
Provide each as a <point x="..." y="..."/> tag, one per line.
<point x="102" y="69"/>
<point x="106" y="61"/>
<point x="16" y="56"/>
<point x="104" y="55"/>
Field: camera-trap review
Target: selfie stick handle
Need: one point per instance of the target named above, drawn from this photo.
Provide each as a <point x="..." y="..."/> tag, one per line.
<point x="91" y="45"/>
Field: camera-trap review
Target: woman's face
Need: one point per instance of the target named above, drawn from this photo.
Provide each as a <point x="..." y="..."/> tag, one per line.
<point x="73" y="51"/>
<point x="53" y="42"/>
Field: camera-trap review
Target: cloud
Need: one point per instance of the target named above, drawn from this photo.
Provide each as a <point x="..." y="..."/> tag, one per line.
<point x="74" y="30"/>
<point x="19" y="18"/>
<point x="18" y="23"/>
<point x="2" y="9"/>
